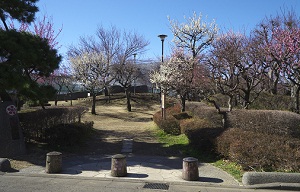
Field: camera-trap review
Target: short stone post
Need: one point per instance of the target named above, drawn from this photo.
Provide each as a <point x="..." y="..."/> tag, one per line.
<point x="190" y="171"/>
<point x="54" y="162"/>
<point x="4" y="165"/>
<point x="118" y="166"/>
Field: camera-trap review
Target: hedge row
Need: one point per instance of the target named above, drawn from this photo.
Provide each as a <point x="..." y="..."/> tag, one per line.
<point x="266" y="121"/>
<point x="36" y="122"/>
<point x="66" y="135"/>
<point x="260" y="151"/>
<point x="261" y="140"/>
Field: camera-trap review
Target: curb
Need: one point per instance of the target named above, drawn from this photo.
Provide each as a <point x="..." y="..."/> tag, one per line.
<point x="270" y="186"/>
<point x="271" y="180"/>
<point x="276" y="186"/>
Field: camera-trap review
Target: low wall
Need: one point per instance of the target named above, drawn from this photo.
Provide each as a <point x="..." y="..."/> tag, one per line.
<point x="255" y="178"/>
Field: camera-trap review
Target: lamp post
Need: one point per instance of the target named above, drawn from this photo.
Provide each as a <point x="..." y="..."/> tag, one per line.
<point x="163" y="93"/>
<point x="134" y="58"/>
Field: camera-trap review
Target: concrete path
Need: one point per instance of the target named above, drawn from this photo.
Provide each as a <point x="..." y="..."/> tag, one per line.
<point x="153" y="168"/>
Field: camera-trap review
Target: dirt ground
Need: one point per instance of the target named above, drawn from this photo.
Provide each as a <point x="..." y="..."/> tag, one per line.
<point x="112" y="124"/>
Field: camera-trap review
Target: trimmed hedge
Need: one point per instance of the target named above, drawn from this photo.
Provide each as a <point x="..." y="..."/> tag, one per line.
<point x="266" y="121"/>
<point x="170" y="125"/>
<point x="66" y="135"/>
<point x="200" y="132"/>
<point x="260" y="151"/>
<point x="35" y="123"/>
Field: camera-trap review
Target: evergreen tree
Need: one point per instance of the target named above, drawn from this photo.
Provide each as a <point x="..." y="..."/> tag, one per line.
<point x="22" y="10"/>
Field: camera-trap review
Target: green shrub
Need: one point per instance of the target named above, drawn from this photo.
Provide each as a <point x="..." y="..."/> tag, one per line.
<point x="200" y="132"/>
<point x="66" y="135"/>
<point x="34" y="123"/>
<point x="260" y="151"/>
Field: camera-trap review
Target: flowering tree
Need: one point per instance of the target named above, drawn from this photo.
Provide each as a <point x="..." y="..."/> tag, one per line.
<point x="191" y="38"/>
<point x="265" y="33"/>
<point x="42" y="27"/>
<point x="285" y="50"/>
<point x="183" y="74"/>
<point x="92" y="70"/>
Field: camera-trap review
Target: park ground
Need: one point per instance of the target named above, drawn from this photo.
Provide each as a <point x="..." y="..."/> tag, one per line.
<point x="112" y="124"/>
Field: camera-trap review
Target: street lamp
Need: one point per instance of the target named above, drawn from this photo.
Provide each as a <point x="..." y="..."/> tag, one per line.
<point x="163" y="94"/>
<point x="134" y="58"/>
<point x="162" y="38"/>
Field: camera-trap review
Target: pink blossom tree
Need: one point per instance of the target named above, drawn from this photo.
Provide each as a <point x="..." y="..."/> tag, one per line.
<point x="42" y="27"/>
<point x="285" y="50"/>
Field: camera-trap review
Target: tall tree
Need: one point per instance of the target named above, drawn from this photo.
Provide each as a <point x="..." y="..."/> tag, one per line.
<point x="22" y="10"/>
<point x="125" y="70"/>
<point x="117" y="48"/>
<point x="264" y="33"/>
<point x="125" y="75"/>
<point x="42" y="27"/>
<point x="193" y="37"/>
<point x="92" y="70"/>
<point x="24" y="58"/>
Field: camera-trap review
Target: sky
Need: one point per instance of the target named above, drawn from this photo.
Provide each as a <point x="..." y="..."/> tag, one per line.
<point x="79" y="18"/>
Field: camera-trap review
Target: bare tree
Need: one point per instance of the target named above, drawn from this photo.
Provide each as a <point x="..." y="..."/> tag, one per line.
<point x="125" y="70"/>
<point x="225" y="57"/>
<point x="125" y="75"/>
<point x="236" y="67"/>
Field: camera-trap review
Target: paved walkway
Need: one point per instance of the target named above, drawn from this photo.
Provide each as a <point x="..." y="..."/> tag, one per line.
<point x="152" y="168"/>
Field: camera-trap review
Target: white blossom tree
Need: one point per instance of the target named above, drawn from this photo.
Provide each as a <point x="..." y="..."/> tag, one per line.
<point x="191" y="38"/>
<point x="92" y="70"/>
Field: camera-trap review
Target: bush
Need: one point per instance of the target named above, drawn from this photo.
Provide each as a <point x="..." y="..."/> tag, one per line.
<point x="268" y="101"/>
<point x="34" y="128"/>
<point x="260" y="151"/>
<point x="200" y="132"/>
<point x="265" y="121"/>
<point x="202" y="111"/>
<point x="66" y="135"/>
<point x="170" y="125"/>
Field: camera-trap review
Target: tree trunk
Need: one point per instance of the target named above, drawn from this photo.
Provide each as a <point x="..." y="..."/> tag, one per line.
<point x="128" y="97"/>
<point x="183" y="98"/>
<point x="214" y="103"/>
<point x="56" y="99"/>
<point x="274" y="87"/>
<point x="107" y="94"/>
<point x="230" y="103"/>
<point x="295" y="98"/>
<point x="94" y="104"/>
<point x="246" y="102"/>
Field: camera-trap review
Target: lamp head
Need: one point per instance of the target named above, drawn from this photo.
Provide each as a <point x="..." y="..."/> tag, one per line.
<point x="162" y="37"/>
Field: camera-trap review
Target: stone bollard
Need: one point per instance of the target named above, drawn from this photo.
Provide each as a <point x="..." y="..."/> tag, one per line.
<point x="118" y="166"/>
<point x="53" y="162"/>
<point x="190" y="171"/>
<point x="4" y="165"/>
